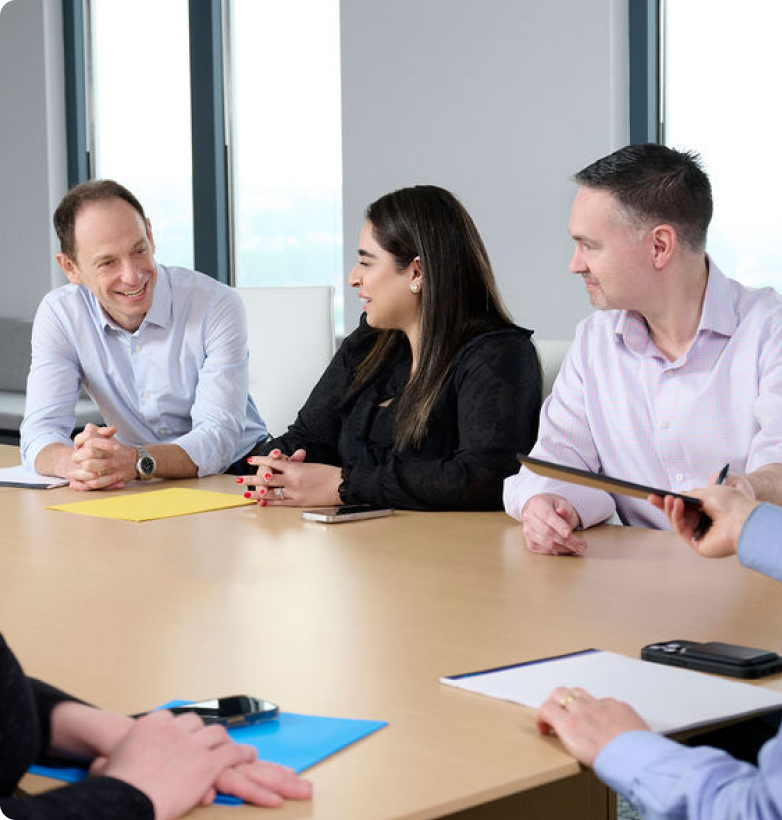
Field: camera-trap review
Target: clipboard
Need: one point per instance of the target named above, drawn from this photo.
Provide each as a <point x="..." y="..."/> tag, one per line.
<point x="600" y="482"/>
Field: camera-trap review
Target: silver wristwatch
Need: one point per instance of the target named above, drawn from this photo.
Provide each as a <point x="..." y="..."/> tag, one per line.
<point x="146" y="464"/>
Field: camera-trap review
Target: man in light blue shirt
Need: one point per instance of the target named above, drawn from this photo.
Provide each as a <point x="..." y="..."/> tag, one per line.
<point x="162" y="351"/>
<point x="662" y="778"/>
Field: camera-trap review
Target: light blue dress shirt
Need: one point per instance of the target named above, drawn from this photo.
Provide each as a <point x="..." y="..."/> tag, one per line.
<point x="665" y="780"/>
<point x="181" y="378"/>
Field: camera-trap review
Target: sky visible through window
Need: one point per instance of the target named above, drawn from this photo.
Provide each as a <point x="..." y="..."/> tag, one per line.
<point x="287" y="142"/>
<point x="722" y="65"/>
<point x="141" y="88"/>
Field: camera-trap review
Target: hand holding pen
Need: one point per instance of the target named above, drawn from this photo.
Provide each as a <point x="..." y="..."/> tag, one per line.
<point x="704" y="522"/>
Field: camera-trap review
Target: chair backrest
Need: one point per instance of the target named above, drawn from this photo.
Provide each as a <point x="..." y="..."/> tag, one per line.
<point x="15" y="344"/>
<point x="551" y="352"/>
<point x="291" y="336"/>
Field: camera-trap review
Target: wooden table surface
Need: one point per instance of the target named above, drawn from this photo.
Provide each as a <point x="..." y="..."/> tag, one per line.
<point x="353" y="620"/>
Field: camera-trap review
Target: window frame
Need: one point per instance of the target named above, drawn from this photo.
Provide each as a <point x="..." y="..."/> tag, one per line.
<point x="644" y="87"/>
<point x="212" y="242"/>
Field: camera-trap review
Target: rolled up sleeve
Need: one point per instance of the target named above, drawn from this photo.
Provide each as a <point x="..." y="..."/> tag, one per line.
<point x="220" y="433"/>
<point x="52" y="387"/>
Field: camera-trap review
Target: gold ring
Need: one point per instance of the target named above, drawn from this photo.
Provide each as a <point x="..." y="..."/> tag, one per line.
<point x="569" y="698"/>
<point x="101" y="473"/>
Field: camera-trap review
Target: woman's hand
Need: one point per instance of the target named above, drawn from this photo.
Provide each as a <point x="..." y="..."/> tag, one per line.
<point x="290" y="481"/>
<point x="176" y="761"/>
<point x="99" y="733"/>
<point x="263" y="784"/>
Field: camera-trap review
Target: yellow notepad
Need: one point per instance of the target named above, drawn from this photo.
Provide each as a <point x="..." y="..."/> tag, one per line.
<point x="154" y="504"/>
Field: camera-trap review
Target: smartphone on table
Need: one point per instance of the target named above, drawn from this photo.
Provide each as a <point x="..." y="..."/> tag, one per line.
<point x="719" y="658"/>
<point x="349" y="512"/>
<point x="231" y="711"/>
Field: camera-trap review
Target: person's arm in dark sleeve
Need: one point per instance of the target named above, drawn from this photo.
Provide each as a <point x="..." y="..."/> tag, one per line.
<point x="25" y="727"/>
<point x="97" y="798"/>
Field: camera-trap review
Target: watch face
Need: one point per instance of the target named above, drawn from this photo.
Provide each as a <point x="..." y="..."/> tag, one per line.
<point x="146" y="465"/>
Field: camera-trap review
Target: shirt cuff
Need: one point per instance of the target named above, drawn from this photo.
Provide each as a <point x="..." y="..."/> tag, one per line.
<point x="30" y="451"/>
<point x="593" y="506"/>
<point x="620" y="761"/>
<point x="209" y="457"/>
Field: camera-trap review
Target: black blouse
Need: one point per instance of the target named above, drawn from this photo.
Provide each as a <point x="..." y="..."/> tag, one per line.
<point x="486" y="412"/>
<point x="25" y="706"/>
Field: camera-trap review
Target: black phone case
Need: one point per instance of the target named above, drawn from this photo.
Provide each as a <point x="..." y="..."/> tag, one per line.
<point x="664" y="652"/>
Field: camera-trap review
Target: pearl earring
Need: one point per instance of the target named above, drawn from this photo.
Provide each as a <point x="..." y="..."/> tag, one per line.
<point x="414" y="287"/>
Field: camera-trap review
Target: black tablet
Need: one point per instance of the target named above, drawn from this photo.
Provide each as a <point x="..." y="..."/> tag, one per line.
<point x="598" y="481"/>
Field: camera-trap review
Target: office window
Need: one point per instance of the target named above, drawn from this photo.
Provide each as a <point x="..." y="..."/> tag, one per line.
<point x="286" y="143"/>
<point x="141" y="113"/>
<point x="720" y="69"/>
<point x="274" y="84"/>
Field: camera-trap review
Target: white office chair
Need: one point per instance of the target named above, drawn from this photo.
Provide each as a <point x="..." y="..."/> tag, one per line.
<point x="291" y="336"/>
<point x="551" y="352"/>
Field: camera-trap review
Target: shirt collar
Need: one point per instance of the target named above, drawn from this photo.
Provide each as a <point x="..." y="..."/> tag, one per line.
<point x="159" y="313"/>
<point x="717" y="315"/>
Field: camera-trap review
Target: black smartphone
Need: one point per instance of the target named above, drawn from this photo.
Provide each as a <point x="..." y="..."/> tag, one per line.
<point x="233" y="711"/>
<point x="350" y="512"/>
<point x="720" y="658"/>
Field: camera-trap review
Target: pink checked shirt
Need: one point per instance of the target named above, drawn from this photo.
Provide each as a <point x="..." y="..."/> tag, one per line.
<point x="619" y="407"/>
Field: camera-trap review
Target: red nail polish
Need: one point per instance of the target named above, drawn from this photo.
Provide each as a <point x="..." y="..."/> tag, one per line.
<point x="262" y="502"/>
<point x="248" y="495"/>
<point x="239" y="480"/>
<point x="267" y="476"/>
<point x="261" y="490"/>
<point x="275" y="453"/>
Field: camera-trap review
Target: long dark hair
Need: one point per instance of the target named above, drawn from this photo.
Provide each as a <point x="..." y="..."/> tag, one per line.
<point x="459" y="297"/>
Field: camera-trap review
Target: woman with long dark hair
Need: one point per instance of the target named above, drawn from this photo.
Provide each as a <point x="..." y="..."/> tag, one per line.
<point x="427" y="403"/>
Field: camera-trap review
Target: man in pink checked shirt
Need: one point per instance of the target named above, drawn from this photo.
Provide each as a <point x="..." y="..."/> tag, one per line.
<point x="678" y="372"/>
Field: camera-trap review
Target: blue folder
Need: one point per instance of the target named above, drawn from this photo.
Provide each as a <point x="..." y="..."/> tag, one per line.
<point x="298" y="741"/>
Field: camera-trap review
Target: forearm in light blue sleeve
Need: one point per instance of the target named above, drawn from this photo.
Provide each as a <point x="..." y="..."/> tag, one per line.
<point x="667" y="781"/>
<point x="760" y="544"/>
<point x="52" y="388"/>
<point x="222" y="431"/>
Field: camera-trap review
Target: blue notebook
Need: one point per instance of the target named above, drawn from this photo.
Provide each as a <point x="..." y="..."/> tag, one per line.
<point x="298" y="741"/>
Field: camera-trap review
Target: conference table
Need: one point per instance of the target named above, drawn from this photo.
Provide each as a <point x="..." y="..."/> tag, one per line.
<point x="357" y="620"/>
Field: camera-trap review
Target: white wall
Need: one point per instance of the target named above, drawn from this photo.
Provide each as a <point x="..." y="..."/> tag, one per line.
<point x="500" y="101"/>
<point x="32" y="150"/>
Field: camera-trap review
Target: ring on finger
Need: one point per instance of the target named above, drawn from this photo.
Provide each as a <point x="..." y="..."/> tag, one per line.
<point x="278" y="492"/>
<point x="567" y="699"/>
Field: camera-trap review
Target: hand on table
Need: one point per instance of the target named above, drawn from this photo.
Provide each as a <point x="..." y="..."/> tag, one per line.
<point x="99" y="461"/>
<point x="263" y="784"/>
<point x="179" y="763"/>
<point x="548" y="522"/>
<point x="291" y="481"/>
<point x="583" y="723"/>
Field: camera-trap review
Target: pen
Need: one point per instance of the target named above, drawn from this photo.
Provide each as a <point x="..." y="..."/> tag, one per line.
<point x="704" y="522"/>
